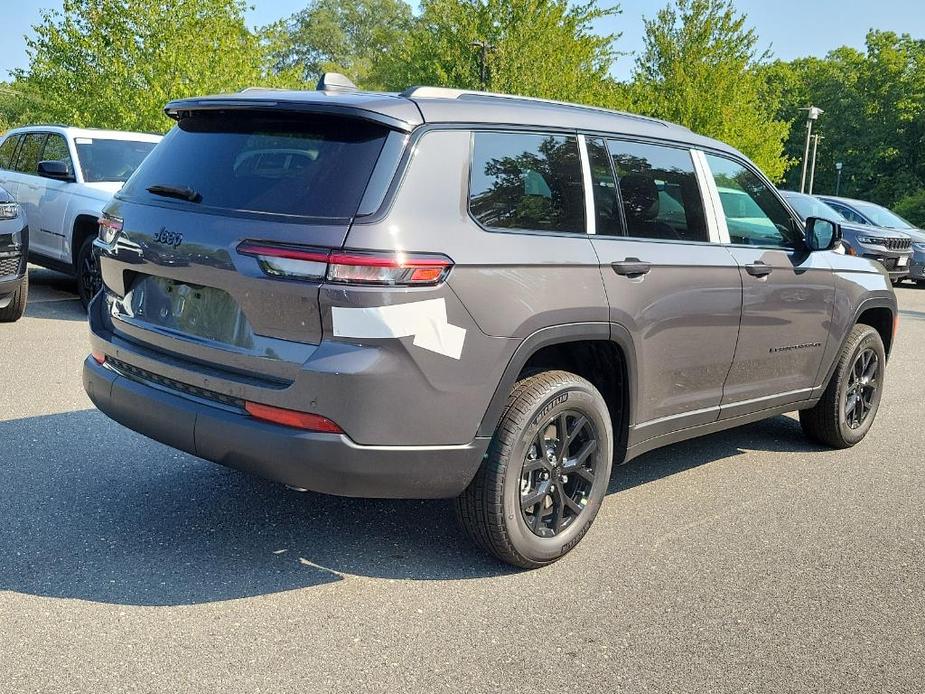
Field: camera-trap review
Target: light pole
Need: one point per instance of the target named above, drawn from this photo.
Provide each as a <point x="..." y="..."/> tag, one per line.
<point x="812" y="115"/>
<point x="838" y="168"/>
<point x="483" y="47"/>
<point x="812" y="166"/>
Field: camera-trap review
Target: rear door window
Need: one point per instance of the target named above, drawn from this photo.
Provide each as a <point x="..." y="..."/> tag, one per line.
<point x="527" y="181"/>
<point x="302" y="166"/>
<point x="659" y="192"/>
<point x="7" y="150"/>
<point x="27" y="159"/>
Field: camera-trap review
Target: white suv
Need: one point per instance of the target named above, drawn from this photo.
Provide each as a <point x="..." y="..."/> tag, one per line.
<point x="62" y="177"/>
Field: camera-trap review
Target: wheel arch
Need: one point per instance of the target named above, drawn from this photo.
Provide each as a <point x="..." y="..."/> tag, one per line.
<point x="584" y="349"/>
<point x="880" y="313"/>
<point x="85" y="225"/>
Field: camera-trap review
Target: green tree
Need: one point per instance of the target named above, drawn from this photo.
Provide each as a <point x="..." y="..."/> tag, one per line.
<point x="541" y="48"/>
<point x="874" y="120"/>
<point x="700" y="69"/>
<point x="912" y="208"/>
<point x="115" y="63"/>
<point x="348" y="36"/>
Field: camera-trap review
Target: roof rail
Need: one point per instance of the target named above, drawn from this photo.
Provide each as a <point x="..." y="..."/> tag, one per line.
<point x="46" y="125"/>
<point x="424" y="92"/>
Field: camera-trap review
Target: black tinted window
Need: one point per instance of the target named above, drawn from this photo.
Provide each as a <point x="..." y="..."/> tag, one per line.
<point x="606" y="201"/>
<point x="27" y="160"/>
<point x="7" y="150"/>
<point x="527" y="181"/>
<point x="659" y="190"/>
<point x="305" y="166"/>
<point x="56" y="150"/>
<point x="754" y="214"/>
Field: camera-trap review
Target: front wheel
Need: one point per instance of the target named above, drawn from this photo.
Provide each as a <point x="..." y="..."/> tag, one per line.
<point x="546" y="472"/>
<point x="89" y="281"/>
<point x="847" y="409"/>
<point x="17" y="306"/>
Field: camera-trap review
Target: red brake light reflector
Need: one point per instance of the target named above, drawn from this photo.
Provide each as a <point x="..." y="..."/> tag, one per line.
<point x="292" y="418"/>
<point x="109" y="227"/>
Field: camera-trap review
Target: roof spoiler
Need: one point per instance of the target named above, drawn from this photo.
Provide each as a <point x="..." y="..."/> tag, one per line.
<point x="335" y="82"/>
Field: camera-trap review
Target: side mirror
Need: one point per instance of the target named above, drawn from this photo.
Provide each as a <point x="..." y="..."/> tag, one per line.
<point x="822" y="234"/>
<point x="55" y="169"/>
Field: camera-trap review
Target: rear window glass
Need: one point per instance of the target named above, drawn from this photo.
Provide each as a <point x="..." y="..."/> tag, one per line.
<point x="526" y="181"/>
<point x="304" y="166"/>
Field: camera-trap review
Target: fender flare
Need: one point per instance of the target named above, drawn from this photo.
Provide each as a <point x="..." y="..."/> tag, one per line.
<point x="867" y="304"/>
<point x="554" y="335"/>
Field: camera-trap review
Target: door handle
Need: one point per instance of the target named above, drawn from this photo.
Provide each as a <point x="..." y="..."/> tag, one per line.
<point x="758" y="269"/>
<point x="631" y="267"/>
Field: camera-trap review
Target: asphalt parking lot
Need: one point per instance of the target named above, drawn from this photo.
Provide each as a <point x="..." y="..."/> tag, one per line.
<point x="745" y="561"/>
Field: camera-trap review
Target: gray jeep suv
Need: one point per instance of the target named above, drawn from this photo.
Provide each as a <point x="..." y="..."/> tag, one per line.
<point x="451" y="294"/>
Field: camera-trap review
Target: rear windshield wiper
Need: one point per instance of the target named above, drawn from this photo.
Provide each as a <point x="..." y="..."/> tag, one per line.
<point x="182" y="192"/>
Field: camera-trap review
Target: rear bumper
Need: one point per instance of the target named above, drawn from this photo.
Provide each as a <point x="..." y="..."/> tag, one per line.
<point x="328" y="463"/>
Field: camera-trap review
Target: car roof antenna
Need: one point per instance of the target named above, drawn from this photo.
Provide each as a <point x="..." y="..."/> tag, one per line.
<point x="335" y="82"/>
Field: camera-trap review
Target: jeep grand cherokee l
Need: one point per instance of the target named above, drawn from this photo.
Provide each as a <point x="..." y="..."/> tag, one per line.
<point x="450" y="294"/>
<point x="892" y="249"/>
<point x="62" y="177"/>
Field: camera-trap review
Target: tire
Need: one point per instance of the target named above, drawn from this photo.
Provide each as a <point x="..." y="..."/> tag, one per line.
<point x="833" y="421"/>
<point x="492" y="510"/>
<point x="920" y="283"/>
<point x="89" y="280"/>
<point x="17" y="307"/>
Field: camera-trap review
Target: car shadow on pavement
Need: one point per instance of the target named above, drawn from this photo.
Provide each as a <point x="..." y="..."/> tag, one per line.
<point x="52" y="295"/>
<point x="92" y="511"/>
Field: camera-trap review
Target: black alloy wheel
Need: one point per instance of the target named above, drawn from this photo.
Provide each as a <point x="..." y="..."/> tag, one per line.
<point x="558" y="473"/>
<point x="862" y="386"/>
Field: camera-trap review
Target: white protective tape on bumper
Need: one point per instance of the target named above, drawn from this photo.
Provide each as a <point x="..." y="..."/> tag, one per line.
<point x="425" y="320"/>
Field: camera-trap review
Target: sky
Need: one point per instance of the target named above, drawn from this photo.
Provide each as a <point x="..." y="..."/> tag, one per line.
<point x="789" y="28"/>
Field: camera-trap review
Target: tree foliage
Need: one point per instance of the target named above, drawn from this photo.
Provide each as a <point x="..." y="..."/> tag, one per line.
<point x="700" y="69"/>
<point x="115" y="63"/>
<point x="348" y="36"/>
<point x="542" y="48"/>
<point x="874" y="120"/>
<point x="912" y="208"/>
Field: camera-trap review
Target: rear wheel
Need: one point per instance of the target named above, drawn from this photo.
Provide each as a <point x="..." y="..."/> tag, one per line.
<point x="89" y="280"/>
<point x="17" y="306"/>
<point x="850" y="402"/>
<point x="547" y="470"/>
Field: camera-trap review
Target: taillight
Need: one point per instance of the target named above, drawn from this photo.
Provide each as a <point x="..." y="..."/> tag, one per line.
<point x="109" y="227"/>
<point x="349" y="267"/>
<point x="98" y="357"/>
<point x="292" y="418"/>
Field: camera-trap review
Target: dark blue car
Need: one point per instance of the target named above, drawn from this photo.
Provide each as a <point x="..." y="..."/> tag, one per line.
<point x="14" y="242"/>
<point x="890" y="248"/>
<point x="870" y="214"/>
